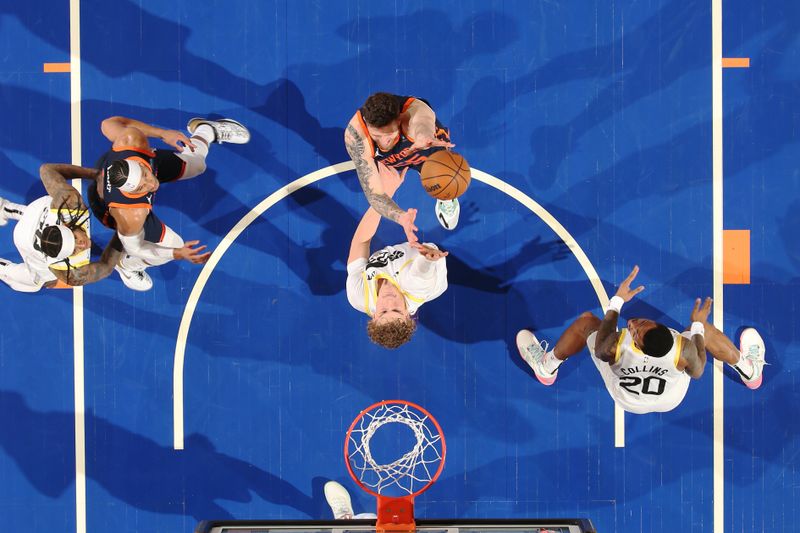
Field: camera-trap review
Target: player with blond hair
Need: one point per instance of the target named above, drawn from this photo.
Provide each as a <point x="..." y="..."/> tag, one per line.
<point x="392" y="283"/>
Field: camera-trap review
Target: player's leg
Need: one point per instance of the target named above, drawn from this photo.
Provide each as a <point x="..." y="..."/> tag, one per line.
<point x="339" y="500"/>
<point x="173" y="166"/>
<point x="10" y="211"/>
<point x="18" y="276"/>
<point x="545" y="363"/>
<point x="748" y="360"/>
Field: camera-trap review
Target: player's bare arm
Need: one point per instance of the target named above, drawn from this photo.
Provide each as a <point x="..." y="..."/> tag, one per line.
<point x="422" y="126"/>
<point x="54" y="176"/>
<point x="607" y="336"/>
<point x="693" y="357"/>
<point x="93" y="271"/>
<point x="123" y="131"/>
<point x="368" y="175"/>
<point x="359" y="245"/>
<point x="694" y="352"/>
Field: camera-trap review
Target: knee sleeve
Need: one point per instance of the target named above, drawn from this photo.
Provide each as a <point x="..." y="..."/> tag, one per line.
<point x="171" y="239"/>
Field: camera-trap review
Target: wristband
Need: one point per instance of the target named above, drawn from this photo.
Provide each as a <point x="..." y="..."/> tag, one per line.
<point x="615" y="304"/>
<point x="698" y="329"/>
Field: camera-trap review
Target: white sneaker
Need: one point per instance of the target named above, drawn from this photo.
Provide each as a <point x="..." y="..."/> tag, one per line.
<point x="339" y="500"/>
<point x="532" y="351"/>
<point x="136" y="280"/>
<point x="752" y="348"/>
<point x="447" y="212"/>
<point x="226" y="130"/>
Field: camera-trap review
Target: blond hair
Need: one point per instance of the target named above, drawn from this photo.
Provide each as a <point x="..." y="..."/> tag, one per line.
<point x="391" y="334"/>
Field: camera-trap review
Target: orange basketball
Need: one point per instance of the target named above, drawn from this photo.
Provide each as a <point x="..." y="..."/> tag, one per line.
<point x="445" y="175"/>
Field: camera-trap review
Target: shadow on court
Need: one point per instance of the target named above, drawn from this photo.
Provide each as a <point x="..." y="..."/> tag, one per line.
<point x="135" y="469"/>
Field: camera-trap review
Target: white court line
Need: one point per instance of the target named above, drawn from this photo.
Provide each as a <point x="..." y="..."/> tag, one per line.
<point x="717" y="226"/>
<point x="283" y="192"/>
<point x="77" y="292"/>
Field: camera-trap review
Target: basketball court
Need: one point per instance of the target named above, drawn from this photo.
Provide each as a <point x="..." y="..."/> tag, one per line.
<point x="601" y="135"/>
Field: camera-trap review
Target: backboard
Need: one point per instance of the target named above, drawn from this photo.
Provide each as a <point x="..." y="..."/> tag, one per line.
<point x="555" y="525"/>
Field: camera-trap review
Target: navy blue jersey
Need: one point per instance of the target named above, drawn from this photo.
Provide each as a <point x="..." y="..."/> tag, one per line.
<point x="113" y="197"/>
<point x="399" y="156"/>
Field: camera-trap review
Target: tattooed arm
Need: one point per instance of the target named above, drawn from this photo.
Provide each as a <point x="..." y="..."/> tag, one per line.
<point x="93" y="271"/>
<point x="369" y="177"/>
<point x="54" y="177"/>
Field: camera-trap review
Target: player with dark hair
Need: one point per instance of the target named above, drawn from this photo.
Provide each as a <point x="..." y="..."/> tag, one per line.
<point x="51" y="236"/>
<point x="647" y="366"/>
<point x="389" y="135"/>
<point x="131" y="174"/>
<point x="391" y="284"/>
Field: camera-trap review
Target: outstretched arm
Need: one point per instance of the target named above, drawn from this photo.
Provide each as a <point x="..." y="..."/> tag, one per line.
<point x="694" y="352"/>
<point x="422" y="125"/>
<point x="93" y="271"/>
<point x="607" y="336"/>
<point x="359" y="246"/>
<point x="368" y="175"/>
<point x="54" y="177"/>
<point x="118" y="130"/>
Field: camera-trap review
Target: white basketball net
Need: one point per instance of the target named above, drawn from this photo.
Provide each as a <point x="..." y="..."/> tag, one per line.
<point x="410" y="472"/>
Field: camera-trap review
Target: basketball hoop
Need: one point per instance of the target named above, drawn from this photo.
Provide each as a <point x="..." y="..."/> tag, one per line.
<point x="395" y="483"/>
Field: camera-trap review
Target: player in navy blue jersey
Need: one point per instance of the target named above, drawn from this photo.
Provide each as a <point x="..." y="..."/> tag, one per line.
<point x="131" y="173"/>
<point x="391" y="134"/>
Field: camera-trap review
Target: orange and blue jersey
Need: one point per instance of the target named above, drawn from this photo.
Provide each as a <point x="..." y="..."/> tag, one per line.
<point x="400" y="155"/>
<point x="154" y="229"/>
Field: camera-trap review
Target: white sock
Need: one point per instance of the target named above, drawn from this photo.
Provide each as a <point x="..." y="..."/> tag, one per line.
<point x="551" y="362"/>
<point x="745" y="365"/>
<point x="205" y="132"/>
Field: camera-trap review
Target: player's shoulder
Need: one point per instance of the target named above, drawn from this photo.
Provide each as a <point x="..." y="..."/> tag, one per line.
<point x="131" y="139"/>
<point x="356" y="266"/>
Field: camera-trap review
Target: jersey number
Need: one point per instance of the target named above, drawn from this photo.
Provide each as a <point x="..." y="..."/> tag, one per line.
<point x="647" y="386"/>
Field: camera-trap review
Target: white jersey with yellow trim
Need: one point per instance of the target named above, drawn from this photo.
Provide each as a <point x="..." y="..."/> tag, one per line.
<point x="27" y="238"/>
<point x="418" y="279"/>
<point x="644" y="383"/>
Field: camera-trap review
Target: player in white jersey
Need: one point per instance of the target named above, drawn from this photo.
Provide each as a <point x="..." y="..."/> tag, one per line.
<point x="51" y="236"/>
<point x="391" y="284"/>
<point x="647" y="366"/>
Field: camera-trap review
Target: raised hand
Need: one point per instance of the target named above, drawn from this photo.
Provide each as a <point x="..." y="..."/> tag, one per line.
<point x="192" y="254"/>
<point x="700" y="314"/>
<point x="624" y="291"/>
<point x="430" y="253"/>
<point x="423" y="142"/>
<point x="177" y="140"/>
<point x="407" y="221"/>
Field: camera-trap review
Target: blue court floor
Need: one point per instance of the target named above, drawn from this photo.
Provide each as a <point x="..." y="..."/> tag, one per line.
<point x="601" y="112"/>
